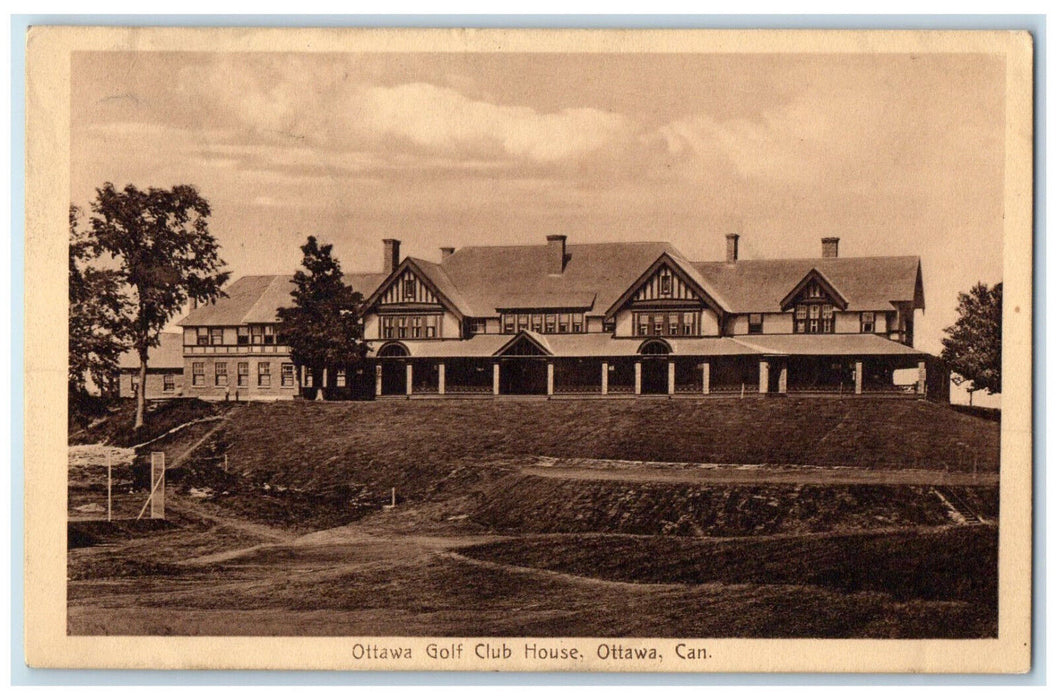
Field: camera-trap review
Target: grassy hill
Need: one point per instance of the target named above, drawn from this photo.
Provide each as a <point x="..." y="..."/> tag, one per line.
<point x="414" y="443"/>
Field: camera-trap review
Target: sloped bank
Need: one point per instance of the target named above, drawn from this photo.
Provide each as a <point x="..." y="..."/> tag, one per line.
<point x="525" y="503"/>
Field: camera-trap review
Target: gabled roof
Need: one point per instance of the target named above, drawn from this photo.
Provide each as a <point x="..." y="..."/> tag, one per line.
<point x="432" y="275"/>
<point x="813" y="275"/>
<point x="868" y="284"/>
<point x="168" y="355"/>
<point x="257" y="299"/>
<point x="681" y="266"/>
<point x="490" y="276"/>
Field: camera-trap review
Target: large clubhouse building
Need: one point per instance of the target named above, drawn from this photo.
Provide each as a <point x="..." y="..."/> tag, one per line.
<point x="590" y="320"/>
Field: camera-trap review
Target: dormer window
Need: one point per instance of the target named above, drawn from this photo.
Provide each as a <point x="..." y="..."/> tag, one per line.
<point x="867" y="322"/>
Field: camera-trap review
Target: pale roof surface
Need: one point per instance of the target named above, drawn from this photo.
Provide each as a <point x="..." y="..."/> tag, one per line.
<point x="869" y="284"/>
<point x="489" y="276"/>
<point x="825" y="344"/>
<point x="168" y="355"/>
<point x="257" y="299"/>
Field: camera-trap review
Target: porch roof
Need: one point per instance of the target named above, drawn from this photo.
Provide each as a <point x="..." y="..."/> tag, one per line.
<point x="823" y="344"/>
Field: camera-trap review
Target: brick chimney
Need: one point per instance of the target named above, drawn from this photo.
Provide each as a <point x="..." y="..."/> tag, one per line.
<point x="829" y="247"/>
<point x="555" y="254"/>
<point x="732" y="247"/>
<point x="445" y="252"/>
<point x="392" y="255"/>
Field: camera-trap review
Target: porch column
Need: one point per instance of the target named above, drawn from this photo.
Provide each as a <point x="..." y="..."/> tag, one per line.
<point x="377" y="378"/>
<point x="638" y="377"/>
<point x="706" y="378"/>
<point x="550" y="378"/>
<point x="495" y="378"/>
<point x="765" y="375"/>
<point x="858" y="376"/>
<point x="322" y="386"/>
<point x="440" y="377"/>
<point x="671" y="377"/>
<point x="605" y="378"/>
<point x="783" y="377"/>
<point x="921" y="378"/>
<point x="410" y="379"/>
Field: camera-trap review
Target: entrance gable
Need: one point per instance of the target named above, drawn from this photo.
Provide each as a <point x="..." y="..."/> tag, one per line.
<point x="408" y="288"/>
<point x="524" y="345"/>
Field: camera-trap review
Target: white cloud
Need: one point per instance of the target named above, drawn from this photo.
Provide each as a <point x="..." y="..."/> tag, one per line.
<point x="444" y="119"/>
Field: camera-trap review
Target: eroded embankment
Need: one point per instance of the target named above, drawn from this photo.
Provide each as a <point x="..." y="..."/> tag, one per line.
<point x="525" y="503"/>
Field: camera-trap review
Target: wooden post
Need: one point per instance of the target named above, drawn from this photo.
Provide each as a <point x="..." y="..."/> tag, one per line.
<point x="921" y="379"/>
<point x="706" y="378"/>
<point x="157" y="479"/>
<point x="378" y="379"/>
<point x="858" y="376"/>
<point x="410" y="378"/>
<point x="550" y="378"/>
<point x="783" y="377"/>
<point x="765" y="375"/>
<point x="392" y="498"/>
<point x="638" y="377"/>
<point x="605" y="378"/>
<point x="495" y="378"/>
<point x="109" y="484"/>
<point x="440" y="378"/>
<point x="671" y="377"/>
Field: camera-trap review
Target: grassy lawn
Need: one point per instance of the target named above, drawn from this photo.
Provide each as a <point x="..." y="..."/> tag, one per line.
<point x="291" y="538"/>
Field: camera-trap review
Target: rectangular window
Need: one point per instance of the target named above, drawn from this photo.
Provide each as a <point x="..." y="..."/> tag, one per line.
<point x="479" y="325"/>
<point x="257" y="335"/>
<point x="643" y="324"/>
<point x="578" y="322"/>
<point x="673" y="324"/>
<point x="609" y="325"/>
<point x="508" y="323"/>
<point x="269" y="335"/>
<point x="264" y="374"/>
<point x="244" y="335"/>
<point x="409" y="288"/>
<point x="416" y="326"/>
<point x="866" y="322"/>
<point x="658" y="324"/>
<point x="563" y="323"/>
<point x="827" y="318"/>
<point x="431" y="326"/>
<point x="244" y="374"/>
<point x="522" y="322"/>
<point x="135" y="384"/>
<point x="689" y="325"/>
<point x="198" y="373"/>
<point x="401" y="327"/>
<point x="814" y="314"/>
<point x="339" y="378"/>
<point x="550" y="323"/>
<point x="756" y="323"/>
<point x="168" y="383"/>
<point x="666" y="284"/>
<point x="220" y="373"/>
<point x="203" y="336"/>
<point x="537" y="323"/>
<point x="287" y="374"/>
<point x="216" y="336"/>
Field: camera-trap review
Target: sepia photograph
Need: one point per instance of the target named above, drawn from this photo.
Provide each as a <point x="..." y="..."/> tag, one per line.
<point x="514" y="350"/>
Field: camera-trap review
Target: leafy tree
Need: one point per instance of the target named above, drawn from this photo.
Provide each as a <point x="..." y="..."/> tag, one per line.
<point x="165" y="255"/>
<point x="324" y="326"/>
<point x="96" y="333"/>
<point x="973" y="346"/>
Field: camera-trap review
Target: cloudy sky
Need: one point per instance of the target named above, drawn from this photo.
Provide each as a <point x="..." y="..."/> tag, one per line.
<point x="895" y="154"/>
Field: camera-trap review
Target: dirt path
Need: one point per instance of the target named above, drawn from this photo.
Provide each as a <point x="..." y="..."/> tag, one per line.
<point x="605" y="470"/>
